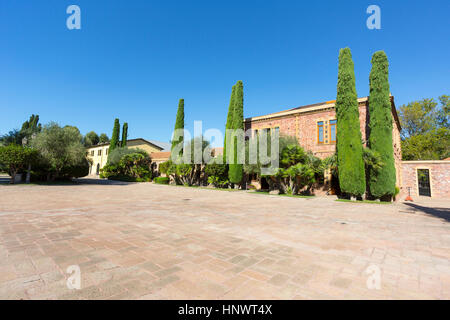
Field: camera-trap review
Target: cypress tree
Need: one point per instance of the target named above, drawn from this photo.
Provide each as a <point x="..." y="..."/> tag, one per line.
<point x="124" y="134"/>
<point x="351" y="172"/>
<point x="382" y="181"/>
<point x="229" y="122"/>
<point x="235" y="172"/>
<point x="115" y="136"/>
<point x="179" y="124"/>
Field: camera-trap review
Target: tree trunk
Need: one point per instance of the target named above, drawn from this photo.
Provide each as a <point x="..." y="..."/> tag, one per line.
<point x="13" y="177"/>
<point x="28" y="178"/>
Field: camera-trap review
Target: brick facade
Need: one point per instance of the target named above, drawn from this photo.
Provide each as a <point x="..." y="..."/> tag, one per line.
<point x="302" y="123"/>
<point x="439" y="173"/>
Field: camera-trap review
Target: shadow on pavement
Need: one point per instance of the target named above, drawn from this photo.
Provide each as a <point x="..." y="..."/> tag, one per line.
<point x="101" y="181"/>
<point x="442" y="213"/>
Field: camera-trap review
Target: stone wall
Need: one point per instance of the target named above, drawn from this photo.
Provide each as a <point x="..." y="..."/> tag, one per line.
<point x="439" y="178"/>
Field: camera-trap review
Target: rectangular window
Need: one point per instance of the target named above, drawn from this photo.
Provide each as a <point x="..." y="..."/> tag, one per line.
<point x="255" y="132"/>
<point x="333" y="130"/>
<point x="320" y="132"/>
<point x="92" y="153"/>
<point x="99" y="152"/>
<point x="277" y="130"/>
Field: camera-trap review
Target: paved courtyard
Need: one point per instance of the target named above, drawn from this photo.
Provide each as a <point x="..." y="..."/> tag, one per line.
<point x="147" y="241"/>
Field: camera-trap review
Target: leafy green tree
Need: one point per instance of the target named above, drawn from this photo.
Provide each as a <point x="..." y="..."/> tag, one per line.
<point x="14" y="157"/>
<point x="12" y="137"/>
<point x="90" y="139"/>
<point x="349" y="147"/>
<point x="59" y="148"/>
<point x="115" y="136"/>
<point x="103" y="138"/>
<point x="31" y="127"/>
<point x="381" y="182"/>
<point x="179" y="125"/>
<point x="297" y="170"/>
<point x="119" y="153"/>
<point x="432" y="145"/>
<point x="217" y="174"/>
<point x="191" y="173"/>
<point x="235" y="172"/>
<point x="425" y="129"/>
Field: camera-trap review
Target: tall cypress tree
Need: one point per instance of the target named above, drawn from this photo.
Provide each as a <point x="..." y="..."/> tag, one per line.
<point x="114" y="143"/>
<point x="351" y="172"/>
<point x="229" y="122"/>
<point x="179" y="124"/>
<point x="381" y="182"/>
<point x="235" y="172"/>
<point x="124" y="134"/>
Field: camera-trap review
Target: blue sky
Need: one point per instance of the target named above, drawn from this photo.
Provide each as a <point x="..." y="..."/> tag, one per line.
<point x="135" y="59"/>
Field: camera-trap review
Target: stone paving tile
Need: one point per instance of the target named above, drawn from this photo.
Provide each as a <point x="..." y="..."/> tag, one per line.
<point x="143" y="241"/>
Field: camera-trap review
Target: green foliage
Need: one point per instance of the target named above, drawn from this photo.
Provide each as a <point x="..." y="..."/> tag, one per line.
<point x="349" y="147"/>
<point x="59" y="148"/>
<point x="283" y="142"/>
<point x="179" y="125"/>
<point x="103" y="138"/>
<point x="217" y="174"/>
<point x="381" y="181"/>
<point x="421" y="117"/>
<point x="425" y="129"/>
<point x="162" y="180"/>
<point x="117" y="154"/>
<point x="165" y="166"/>
<point x="228" y="125"/>
<point x="132" y="166"/>
<point x="235" y="172"/>
<point x="115" y="137"/>
<point x="432" y="145"/>
<point x="31" y="127"/>
<point x="297" y="170"/>
<point x="14" y="158"/>
<point x="90" y="139"/>
<point x="12" y="137"/>
<point x="124" y="135"/>
<point x="185" y="173"/>
<point x="373" y="161"/>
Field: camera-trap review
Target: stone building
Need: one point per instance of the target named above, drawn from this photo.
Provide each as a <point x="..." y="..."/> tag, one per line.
<point x="98" y="154"/>
<point x="426" y="178"/>
<point x="315" y="127"/>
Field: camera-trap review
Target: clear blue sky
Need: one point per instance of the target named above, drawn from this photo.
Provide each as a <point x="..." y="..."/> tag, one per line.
<point x="135" y="59"/>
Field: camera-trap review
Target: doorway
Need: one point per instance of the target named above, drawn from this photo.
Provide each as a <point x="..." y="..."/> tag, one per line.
<point x="423" y="179"/>
<point x="98" y="168"/>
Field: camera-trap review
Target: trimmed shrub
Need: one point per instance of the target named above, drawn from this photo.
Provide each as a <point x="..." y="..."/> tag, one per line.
<point x="124" y="135"/>
<point x="162" y="180"/>
<point x="229" y="123"/>
<point x="235" y="172"/>
<point x="349" y="147"/>
<point x="382" y="181"/>
<point x="114" y="143"/>
<point x="179" y="125"/>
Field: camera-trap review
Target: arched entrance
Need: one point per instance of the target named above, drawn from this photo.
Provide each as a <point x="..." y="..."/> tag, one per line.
<point x="98" y="169"/>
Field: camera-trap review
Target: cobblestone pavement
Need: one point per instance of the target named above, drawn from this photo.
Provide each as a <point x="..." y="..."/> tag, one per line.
<point x="147" y="241"/>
